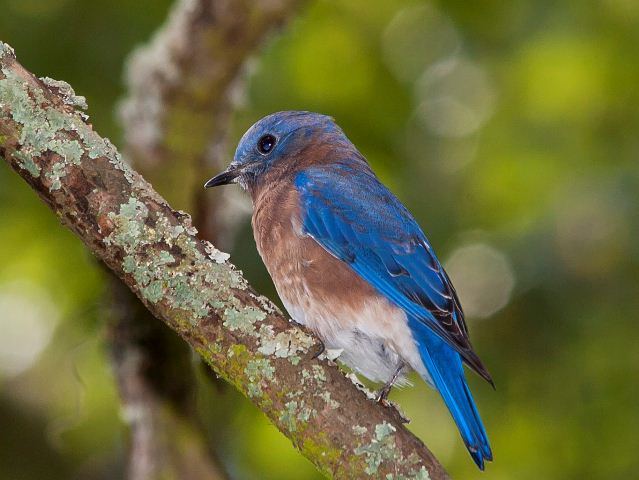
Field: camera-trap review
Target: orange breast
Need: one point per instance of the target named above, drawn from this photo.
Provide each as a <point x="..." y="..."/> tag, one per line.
<point x="298" y="265"/>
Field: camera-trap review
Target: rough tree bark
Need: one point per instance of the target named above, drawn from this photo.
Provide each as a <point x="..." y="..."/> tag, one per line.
<point x="187" y="72"/>
<point x="190" y="285"/>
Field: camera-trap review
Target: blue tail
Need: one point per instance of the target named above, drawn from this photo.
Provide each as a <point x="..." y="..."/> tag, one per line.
<point x="445" y="368"/>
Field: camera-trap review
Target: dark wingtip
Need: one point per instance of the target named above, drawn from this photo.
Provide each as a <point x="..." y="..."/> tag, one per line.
<point x="489" y="455"/>
<point x="480" y="457"/>
<point x="486" y="376"/>
<point x="472" y="360"/>
<point x="489" y="379"/>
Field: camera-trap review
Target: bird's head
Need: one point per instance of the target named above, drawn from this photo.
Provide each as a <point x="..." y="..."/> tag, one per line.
<point x="274" y="142"/>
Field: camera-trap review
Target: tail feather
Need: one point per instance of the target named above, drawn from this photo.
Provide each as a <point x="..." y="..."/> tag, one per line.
<point x="445" y="368"/>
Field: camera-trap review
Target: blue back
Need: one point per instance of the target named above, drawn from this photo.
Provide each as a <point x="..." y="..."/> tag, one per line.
<point x="358" y="220"/>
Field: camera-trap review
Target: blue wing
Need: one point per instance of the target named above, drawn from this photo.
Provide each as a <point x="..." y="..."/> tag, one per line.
<point x="358" y="220"/>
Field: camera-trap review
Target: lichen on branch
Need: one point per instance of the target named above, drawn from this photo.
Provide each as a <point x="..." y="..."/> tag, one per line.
<point x="194" y="289"/>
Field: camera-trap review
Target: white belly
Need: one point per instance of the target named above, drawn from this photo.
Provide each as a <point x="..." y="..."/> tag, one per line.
<point x="374" y="335"/>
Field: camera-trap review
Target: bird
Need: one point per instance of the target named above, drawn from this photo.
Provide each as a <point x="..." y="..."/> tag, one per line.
<point x="351" y="263"/>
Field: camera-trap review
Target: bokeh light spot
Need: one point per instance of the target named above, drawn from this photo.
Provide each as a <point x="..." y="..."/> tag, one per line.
<point x="27" y="322"/>
<point x="483" y="278"/>
<point x="455" y="97"/>
<point x="415" y="38"/>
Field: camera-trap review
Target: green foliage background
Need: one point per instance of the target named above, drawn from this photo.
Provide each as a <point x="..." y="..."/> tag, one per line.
<point x="508" y="128"/>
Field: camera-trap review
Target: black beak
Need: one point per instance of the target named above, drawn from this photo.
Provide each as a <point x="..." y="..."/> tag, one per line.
<point x="223" y="178"/>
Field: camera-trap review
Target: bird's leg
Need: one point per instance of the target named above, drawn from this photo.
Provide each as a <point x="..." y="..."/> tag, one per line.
<point x="382" y="395"/>
<point x="320" y="350"/>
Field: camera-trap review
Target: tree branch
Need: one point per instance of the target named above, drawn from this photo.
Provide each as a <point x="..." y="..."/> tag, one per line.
<point x="191" y="286"/>
<point x="187" y="71"/>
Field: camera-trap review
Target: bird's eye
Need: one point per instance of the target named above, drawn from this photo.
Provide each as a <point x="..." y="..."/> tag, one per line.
<point x="266" y="144"/>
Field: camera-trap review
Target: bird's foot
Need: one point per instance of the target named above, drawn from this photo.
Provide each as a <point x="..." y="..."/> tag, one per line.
<point x="321" y="349"/>
<point x="382" y="394"/>
<point x="332" y="354"/>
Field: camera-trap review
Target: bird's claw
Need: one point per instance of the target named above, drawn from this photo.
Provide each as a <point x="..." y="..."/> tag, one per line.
<point x="320" y="350"/>
<point x="382" y="395"/>
<point x="384" y="402"/>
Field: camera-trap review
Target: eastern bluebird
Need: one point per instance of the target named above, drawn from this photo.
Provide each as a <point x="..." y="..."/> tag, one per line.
<point x="351" y="263"/>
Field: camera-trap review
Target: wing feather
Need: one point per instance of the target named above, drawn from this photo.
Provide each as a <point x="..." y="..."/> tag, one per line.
<point x="358" y="220"/>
